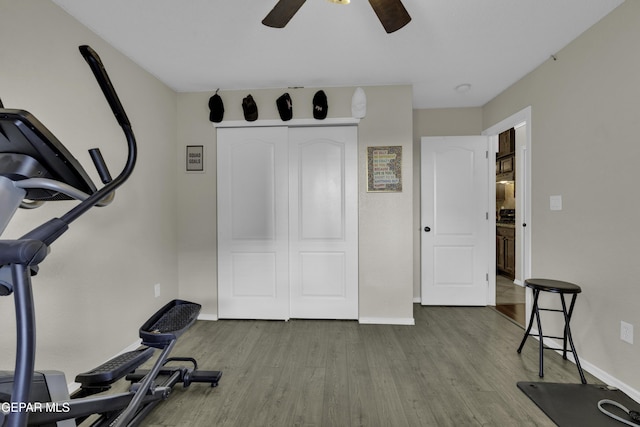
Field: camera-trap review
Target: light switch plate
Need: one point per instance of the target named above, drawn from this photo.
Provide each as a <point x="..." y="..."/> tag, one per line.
<point x="555" y="203"/>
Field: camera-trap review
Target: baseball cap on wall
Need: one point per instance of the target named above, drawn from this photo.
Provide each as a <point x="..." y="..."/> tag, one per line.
<point x="250" y="109"/>
<point x="320" y="105"/>
<point x="216" y="108"/>
<point x="285" y="107"/>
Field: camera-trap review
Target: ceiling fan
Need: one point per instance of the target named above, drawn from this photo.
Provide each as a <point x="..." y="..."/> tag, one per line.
<point x="391" y="13"/>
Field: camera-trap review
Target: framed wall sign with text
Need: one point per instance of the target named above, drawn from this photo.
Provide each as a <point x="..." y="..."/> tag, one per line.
<point x="195" y="158"/>
<point x="384" y="169"/>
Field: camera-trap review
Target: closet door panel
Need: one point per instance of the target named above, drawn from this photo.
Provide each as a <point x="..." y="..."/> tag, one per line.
<point x="253" y="277"/>
<point x="323" y="223"/>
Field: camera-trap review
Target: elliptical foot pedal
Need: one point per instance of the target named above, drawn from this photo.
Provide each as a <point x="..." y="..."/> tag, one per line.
<point x="211" y="377"/>
<point x="168" y="323"/>
<point x="114" y="369"/>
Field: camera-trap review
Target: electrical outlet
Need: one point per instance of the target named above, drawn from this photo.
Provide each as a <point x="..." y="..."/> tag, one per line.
<point x="626" y="332"/>
<point x="156" y="289"/>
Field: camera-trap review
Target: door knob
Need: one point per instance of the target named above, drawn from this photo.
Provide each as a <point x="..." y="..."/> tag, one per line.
<point x="427" y="229"/>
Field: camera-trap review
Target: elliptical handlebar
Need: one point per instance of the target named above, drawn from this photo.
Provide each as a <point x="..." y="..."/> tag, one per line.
<point x="51" y="230"/>
<point x="110" y="94"/>
<point x="102" y="77"/>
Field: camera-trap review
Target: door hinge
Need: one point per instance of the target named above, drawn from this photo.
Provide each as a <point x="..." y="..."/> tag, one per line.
<point x="487" y="276"/>
<point x="486" y="154"/>
<point x="487" y="216"/>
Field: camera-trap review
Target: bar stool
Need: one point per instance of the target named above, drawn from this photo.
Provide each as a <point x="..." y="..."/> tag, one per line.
<point x="562" y="288"/>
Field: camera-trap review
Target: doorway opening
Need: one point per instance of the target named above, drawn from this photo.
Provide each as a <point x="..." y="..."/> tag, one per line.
<point x="510" y="298"/>
<point x="512" y="263"/>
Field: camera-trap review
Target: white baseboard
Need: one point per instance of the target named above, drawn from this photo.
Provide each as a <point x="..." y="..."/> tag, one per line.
<point x="387" y="321"/>
<point x="362" y="320"/>
<point x="417" y="300"/>
<point x="609" y="380"/>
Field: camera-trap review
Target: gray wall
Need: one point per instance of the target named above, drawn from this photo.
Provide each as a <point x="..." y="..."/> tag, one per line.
<point x="586" y="147"/>
<point x="385" y="248"/>
<point x="96" y="287"/>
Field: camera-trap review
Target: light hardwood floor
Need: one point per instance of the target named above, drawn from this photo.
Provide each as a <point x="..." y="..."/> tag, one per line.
<point x="456" y="367"/>
<point x="510" y="300"/>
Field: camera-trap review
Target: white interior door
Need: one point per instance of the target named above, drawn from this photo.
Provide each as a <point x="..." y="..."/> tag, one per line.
<point x="454" y="211"/>
<point x="323" y="222"/>
<point x="253" y="256"/>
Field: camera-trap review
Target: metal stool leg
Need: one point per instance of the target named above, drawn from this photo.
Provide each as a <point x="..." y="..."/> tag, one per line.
<point x="534" y="309"/>
<point x="566" y="316"/>
<point x="567" y="335"/>
<point x="541" y="343"/>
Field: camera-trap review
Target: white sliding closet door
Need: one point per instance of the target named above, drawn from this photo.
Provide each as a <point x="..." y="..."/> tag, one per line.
<point x="288" y="222"/>
<point x="253" y="264"/>
<point x="323" y="222"/>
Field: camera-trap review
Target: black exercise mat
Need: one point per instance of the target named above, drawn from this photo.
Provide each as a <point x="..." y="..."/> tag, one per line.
<point x="571" y="405"/>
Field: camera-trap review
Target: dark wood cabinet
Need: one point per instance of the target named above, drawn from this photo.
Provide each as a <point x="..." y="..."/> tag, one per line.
<point x="507" y="142"/>
<point x="506" y="164"/>
<point x="505" y="171"/>
<point x="506" y="251"/>
<point x="505" y="157"/>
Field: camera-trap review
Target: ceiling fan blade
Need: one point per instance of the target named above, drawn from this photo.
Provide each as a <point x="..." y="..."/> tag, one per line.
<point x="282" y="13"/>
<point x="391" y="14"/>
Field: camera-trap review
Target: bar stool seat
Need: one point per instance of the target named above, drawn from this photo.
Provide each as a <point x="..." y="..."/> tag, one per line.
<point x="561" y="288"/>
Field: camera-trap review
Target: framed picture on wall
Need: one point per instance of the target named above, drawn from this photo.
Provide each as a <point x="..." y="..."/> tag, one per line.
<point x="384" y="169"/>
<point x="195" y="158"/>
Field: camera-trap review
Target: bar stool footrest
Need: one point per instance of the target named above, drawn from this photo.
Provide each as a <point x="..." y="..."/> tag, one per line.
<point x="556" y="349"/>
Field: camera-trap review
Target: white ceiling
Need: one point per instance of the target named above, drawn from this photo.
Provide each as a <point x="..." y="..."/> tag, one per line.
<point x="202" y="45"/>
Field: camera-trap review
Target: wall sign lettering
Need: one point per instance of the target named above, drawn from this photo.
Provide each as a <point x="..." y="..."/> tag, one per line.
<point x="384" y="169"/>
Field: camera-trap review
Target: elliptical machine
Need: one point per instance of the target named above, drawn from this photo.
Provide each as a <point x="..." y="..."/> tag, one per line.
<point x="35" y="168"/>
